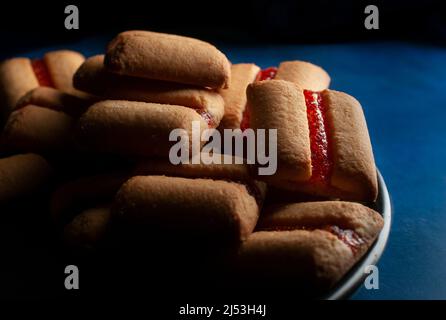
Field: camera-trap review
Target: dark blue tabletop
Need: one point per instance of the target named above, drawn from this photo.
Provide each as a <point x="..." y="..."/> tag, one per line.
<point x="402" y="88"/>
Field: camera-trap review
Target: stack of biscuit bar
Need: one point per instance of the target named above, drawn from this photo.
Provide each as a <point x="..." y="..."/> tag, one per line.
<point x="308" y="223"/>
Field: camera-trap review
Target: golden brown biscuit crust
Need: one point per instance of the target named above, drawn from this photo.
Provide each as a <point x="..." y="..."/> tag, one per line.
<point x="304" y="74"/>
<point x="85" y="192"/>
<point x="16" y="78"/>
<point x="280" y="105"/>
<point x="36" y="129"/>
<point x="199" y="205"/>
<point x="242" y="75"/>
<point x="134" y="128"/>
<point x="300" y="247"/>
<point x="56" y="100"/>
<point x="353" y="175"/>
<point x="235" y="172"/>
<point x="227" y="170"/>
<point x="93" y="78"/>
<point x="88" y="229"/>
<point x="168" y="57"/>
<point x="353" y="164"/>
<point x="304" y="259"/>
<point x="22" y="175"/>
<point x="312" y="215"/>
<point x="62" y="65"/>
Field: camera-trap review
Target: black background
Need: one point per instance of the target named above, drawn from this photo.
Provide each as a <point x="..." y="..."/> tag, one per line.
<point x="24" y="25"/>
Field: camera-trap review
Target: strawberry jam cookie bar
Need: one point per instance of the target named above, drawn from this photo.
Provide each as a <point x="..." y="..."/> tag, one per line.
<point x="323" y="143"/>
<point x="168" y="57"/>
<point x="42" y="121"/>
<point x="303" y="74"/>
<point x="310" y="244"/>
<point x="55" y="69"/>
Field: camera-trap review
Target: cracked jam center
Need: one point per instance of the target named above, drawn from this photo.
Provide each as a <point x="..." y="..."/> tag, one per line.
<point x="321" y="161"/>
<point x="349" y="237"/>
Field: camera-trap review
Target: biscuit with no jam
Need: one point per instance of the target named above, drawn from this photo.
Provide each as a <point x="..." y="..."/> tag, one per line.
<point x="74" y="196"/>
<point x="279" y="105"/>
<point x="37" y="129"/>
<point x="353" y="163"/>
<point x="214" y="208"/>
<point x="88" y="229"/>
<point x="242" y="75"/>
<point x="168" y="57"/>
<point x="227" y="170"/>
<point x="132" y="128"/>
<point x="21" y="175"/>
<point x="56" y="100"/>
<point x="304" y="74"/>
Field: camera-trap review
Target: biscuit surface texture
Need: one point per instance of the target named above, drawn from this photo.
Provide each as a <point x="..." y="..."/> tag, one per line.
<point x="92" y="77"/>
<point x="134" y="128"/>
<point x="21" y="175"/>
<point x="242" y="75"/>
<point x="62" y="65"/>
<point x="353" y="163"/>
<point x="280" y="105"/>
<point x="297" y="242"/>
<point x="37" y="129"/>
<point x="16" y="78"/>
<point x="168" y="57"/>
<point x="212" y="207"/>
<point x="304" y="74"/>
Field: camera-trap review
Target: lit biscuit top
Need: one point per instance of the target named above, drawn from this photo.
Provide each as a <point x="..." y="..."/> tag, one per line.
<point x="168" y="57"/>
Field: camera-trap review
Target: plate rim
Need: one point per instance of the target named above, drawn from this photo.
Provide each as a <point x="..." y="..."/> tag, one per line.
<point x="356" y="275"/>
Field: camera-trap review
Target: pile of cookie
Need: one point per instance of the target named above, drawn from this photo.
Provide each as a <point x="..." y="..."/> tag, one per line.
<point x="308" y="221"/>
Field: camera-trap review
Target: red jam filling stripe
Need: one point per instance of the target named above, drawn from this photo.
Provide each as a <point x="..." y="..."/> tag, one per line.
<point x="245" y="120"/>
<point x="265" y="74"/>
<point x="321" y="161"/>
<point x="207" y="117"/>
<point x="42" y="74"/>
